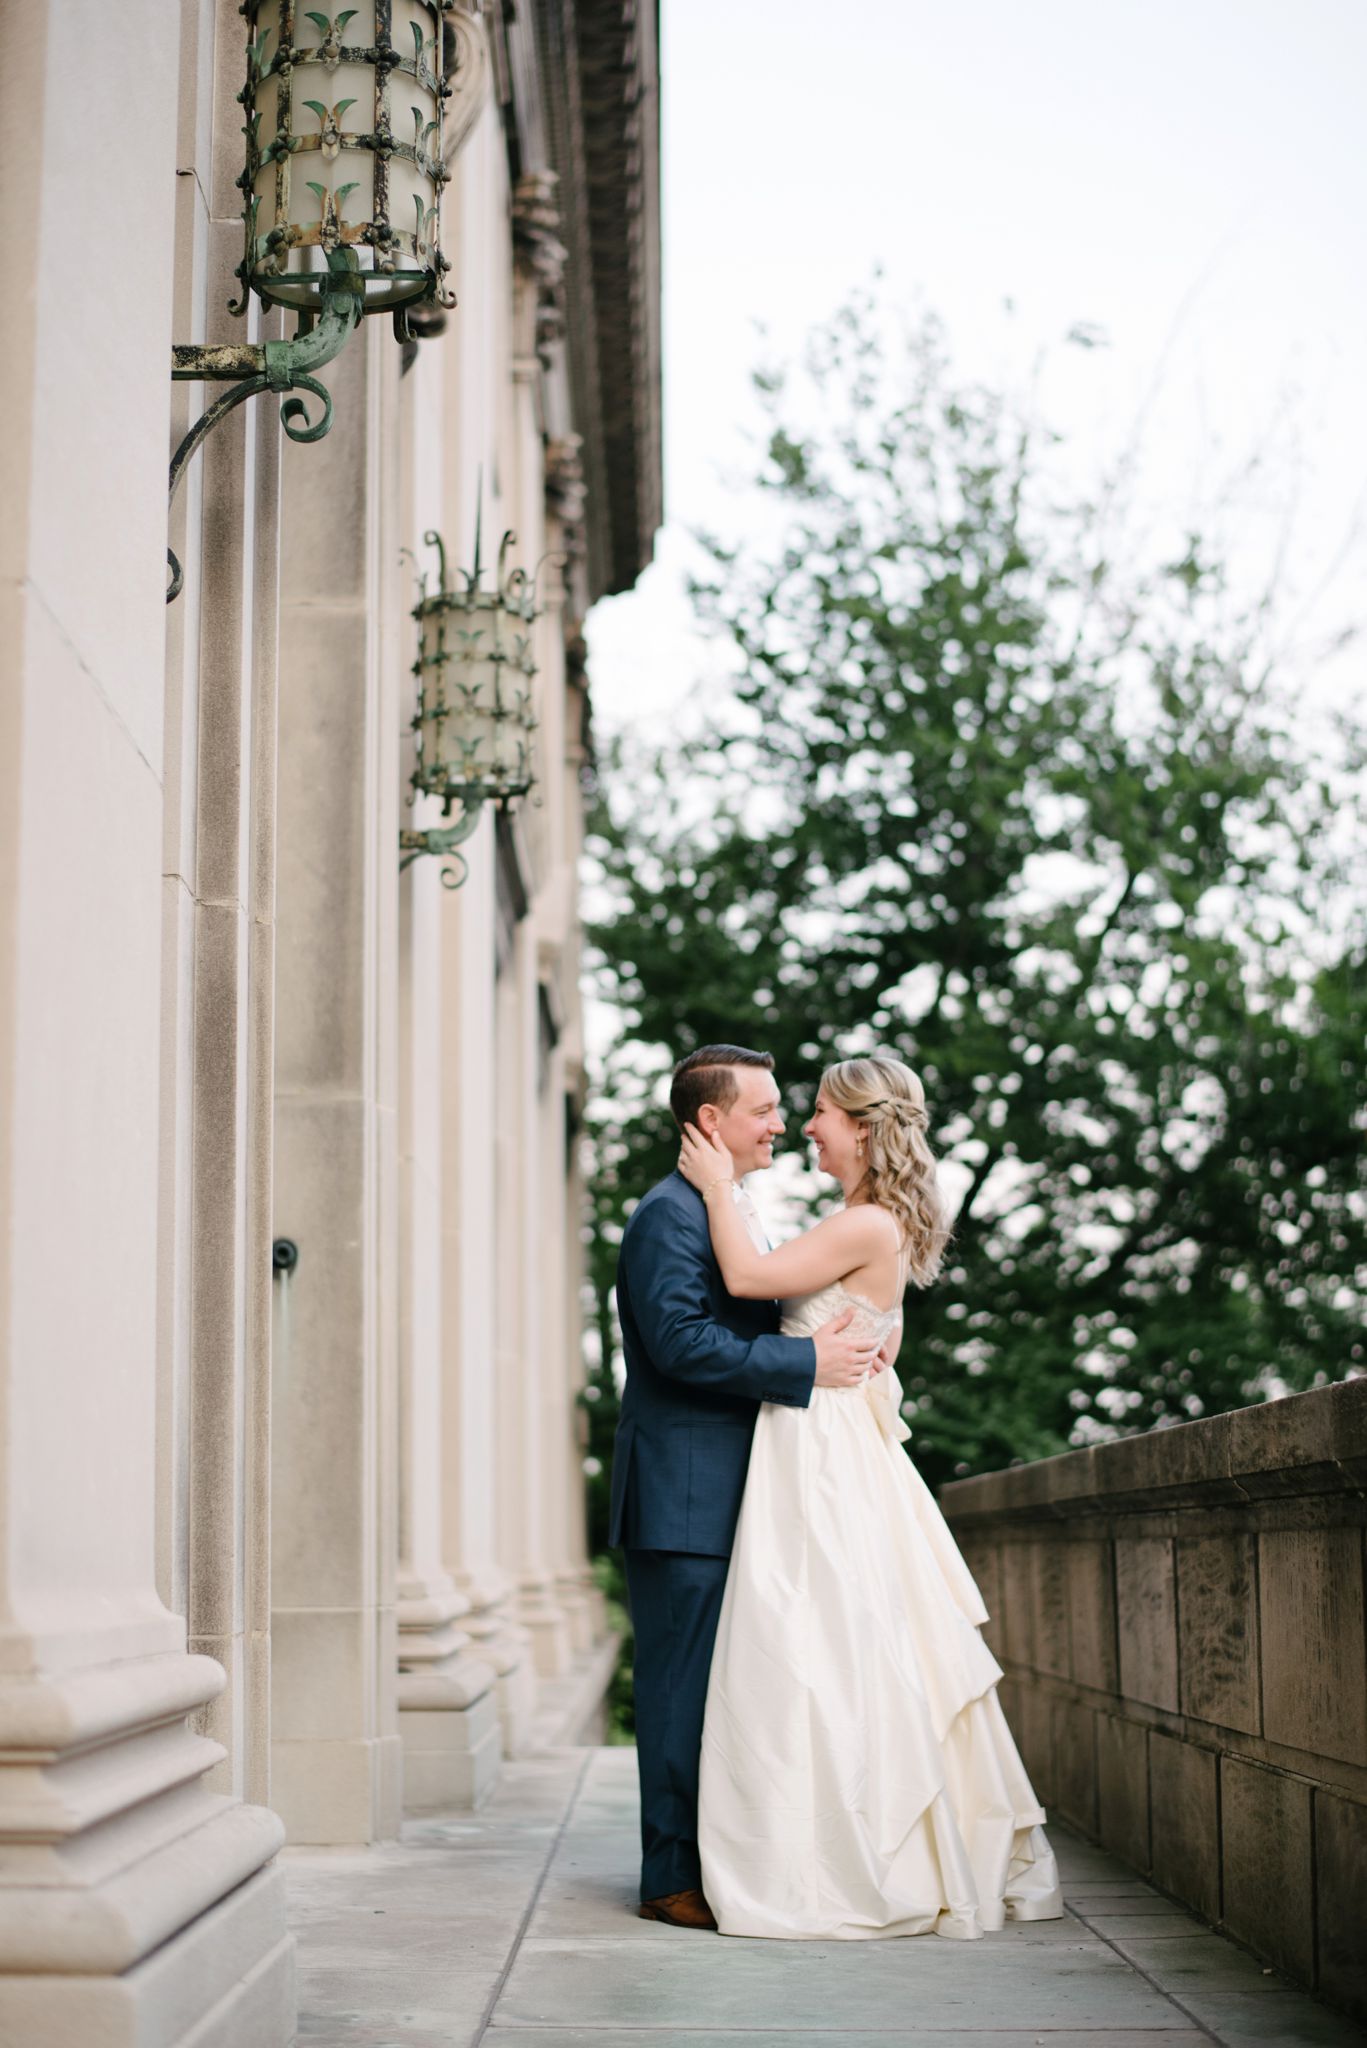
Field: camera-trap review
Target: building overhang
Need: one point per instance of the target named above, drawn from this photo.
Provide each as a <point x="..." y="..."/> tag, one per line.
<point x="599" y="120"/>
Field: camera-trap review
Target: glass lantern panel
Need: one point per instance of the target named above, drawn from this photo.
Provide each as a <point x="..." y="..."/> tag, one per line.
<point x="434" y="733"/>
<point x="267" y="104"/>
<point x="322" y="193"/>
<point x="510" y="740"/>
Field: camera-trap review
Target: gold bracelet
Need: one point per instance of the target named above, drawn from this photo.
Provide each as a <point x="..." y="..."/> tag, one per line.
<point x="723" y="1180"/>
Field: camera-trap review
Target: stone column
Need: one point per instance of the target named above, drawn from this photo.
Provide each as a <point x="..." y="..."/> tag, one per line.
<point x="448" y="1705"/>
<point x="531" y="1245"/>
<point x="576" y="1196"/>
<point x="579" y="1570"/>
<point x="135" y="1902"/>
<point x="557" y="1000"/>
<point x="218" y="869"/>
<point x="564" y="1485"/>
<point x="522" y="1370"/>
<point x="476" y="931"/>
<point x="336" y="1763"/>
<point x="470" y="1395"/>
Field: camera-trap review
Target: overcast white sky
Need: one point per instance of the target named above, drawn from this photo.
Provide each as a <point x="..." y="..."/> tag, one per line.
<point x="1189" y="176"/>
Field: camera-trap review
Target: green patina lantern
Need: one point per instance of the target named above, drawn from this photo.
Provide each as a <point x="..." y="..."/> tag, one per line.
<point x="474" y="719"/>
<point x="344" y="117"/>
<point x="347" y="140"/>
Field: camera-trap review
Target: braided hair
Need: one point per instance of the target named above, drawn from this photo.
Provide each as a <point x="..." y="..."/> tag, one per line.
<point x="887" y="1100"/>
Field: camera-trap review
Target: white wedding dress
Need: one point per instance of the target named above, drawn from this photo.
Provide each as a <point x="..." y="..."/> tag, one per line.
<point x="858" y="1776"/>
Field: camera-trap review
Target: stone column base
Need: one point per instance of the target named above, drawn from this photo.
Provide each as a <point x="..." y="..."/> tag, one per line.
<point x="448" y="1713"/>
<point x="597" y="1602"/>
<point x="452" y="1742"/>
<point x="222" y="1982"/>
<point x="499" y="1640"/>
<point x="573" y="1597"/>
<point x="547" y="1624"/>
<point x="517" y="1697"/>
<point x="118" y="1866"/>
<point x="330" y="1793"/>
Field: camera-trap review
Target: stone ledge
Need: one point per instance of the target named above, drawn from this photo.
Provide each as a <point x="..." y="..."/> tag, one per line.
<point x="1181" y="1618"/>
<point x="1314" y="1443"/>
<point x="1031" y="1690"/>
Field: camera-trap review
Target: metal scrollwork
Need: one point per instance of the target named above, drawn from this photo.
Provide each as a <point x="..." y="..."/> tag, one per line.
<point x="282" y="366"/>
<point x="295" y="409"/>
<point x="442" y="840"/>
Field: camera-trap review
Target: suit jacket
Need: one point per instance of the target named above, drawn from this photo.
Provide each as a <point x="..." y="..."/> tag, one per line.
<point x="698" y="1363"/>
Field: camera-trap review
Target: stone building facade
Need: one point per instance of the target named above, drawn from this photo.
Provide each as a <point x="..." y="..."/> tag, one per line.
<point x="285" y="1553"/>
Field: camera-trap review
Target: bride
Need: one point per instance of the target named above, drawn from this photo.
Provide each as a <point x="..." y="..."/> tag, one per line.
<point x="858" y="1776"/>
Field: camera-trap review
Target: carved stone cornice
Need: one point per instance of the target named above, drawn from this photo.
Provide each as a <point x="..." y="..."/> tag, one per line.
<point x="540" y="253"/>
<point x="576" y="660"/>
<point x="536" y="226"/>
<point x="567" y="488"/>
<point x="603" y="138"/>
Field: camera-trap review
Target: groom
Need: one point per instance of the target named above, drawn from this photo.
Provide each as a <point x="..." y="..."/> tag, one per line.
<point x="698" y="1364"/>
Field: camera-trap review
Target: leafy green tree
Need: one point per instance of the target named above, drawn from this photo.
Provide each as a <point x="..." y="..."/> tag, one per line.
<point x="991" y="795"/>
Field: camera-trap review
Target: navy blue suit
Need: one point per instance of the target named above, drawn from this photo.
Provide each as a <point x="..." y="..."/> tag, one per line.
<point x="698" y="1364"/>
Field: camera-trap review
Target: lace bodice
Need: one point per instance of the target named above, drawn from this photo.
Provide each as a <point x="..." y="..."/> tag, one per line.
<point x="805" y="1313"/>
<point x="803" y="1316"/>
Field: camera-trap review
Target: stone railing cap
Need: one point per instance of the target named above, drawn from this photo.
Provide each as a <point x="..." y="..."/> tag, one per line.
<point x="1306" y="1443"/>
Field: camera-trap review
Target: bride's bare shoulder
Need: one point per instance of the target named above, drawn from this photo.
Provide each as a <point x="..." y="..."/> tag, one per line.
<point x="874" y="1230"/>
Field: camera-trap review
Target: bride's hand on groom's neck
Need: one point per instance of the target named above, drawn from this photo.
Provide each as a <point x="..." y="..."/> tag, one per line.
<point x="703" y="1160"/>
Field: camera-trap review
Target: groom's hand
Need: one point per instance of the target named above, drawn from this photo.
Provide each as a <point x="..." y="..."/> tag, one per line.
<point x="843" y="1356"/>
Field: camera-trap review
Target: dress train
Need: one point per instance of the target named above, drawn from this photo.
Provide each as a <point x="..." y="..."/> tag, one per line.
<point x="858" y="1777"/>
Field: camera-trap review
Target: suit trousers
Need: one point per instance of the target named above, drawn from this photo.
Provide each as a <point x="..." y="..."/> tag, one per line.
<point x="675" y="1599"/>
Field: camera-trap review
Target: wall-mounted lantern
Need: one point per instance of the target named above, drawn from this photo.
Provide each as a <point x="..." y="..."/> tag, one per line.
<point x="346" y="156"/>
<point x="474" y="721"/>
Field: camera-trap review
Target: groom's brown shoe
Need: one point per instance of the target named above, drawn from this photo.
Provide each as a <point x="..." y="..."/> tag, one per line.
<point x="681" y="1909"/>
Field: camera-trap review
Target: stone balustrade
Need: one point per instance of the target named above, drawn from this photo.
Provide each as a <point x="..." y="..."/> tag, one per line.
<point x="1180" y="1618"/>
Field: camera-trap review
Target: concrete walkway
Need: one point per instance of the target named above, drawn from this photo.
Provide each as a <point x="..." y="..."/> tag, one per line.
<point x="515" y="1928"/>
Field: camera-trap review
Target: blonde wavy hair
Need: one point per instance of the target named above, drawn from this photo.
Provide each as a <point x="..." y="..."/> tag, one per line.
<point x="887" y="1100"/>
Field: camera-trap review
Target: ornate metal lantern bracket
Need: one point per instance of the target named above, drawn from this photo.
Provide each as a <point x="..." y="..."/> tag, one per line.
<point x="348" y="148"/>
<point x="271" y="366"/>
<point x="443" y="840"/>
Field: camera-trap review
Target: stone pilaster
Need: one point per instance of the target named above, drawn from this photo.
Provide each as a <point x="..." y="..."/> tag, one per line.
<point x="217" y="1018"/>
<point x="474" y="1476"/>
<point x="530" y="1334"/>
<point x="137" y="1902"/>
<point x="521" y="1334"/>
<point x="336" y="1757"/>
<point x="447" y="1694"/>
<point x="478" y="919"/>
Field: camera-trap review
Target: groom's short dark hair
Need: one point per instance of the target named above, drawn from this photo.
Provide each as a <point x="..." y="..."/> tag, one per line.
<point x="706" y="1076"/>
